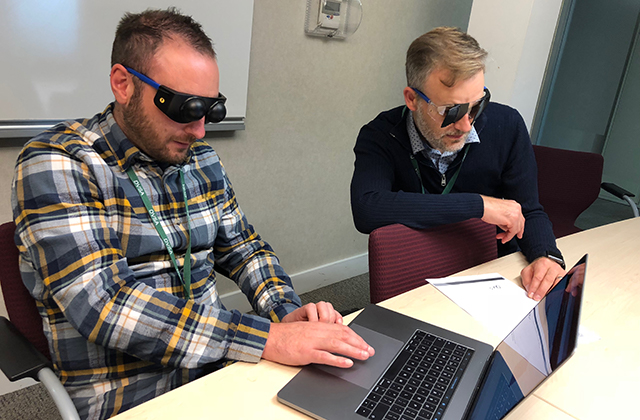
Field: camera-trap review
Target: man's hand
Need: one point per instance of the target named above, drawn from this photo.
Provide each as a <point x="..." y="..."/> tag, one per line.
<point x="540" y="276"/>
<point x="506" y="214"/>
<point x="301" y="343"/>
<point x="321" y="311"/>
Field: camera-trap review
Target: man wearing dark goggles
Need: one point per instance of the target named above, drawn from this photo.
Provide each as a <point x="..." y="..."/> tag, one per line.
<point x="449" y="155"/>
<point x="133" y="214"/>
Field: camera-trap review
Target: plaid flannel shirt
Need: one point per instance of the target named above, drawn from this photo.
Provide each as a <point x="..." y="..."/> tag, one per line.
<point x="119" y="327"/>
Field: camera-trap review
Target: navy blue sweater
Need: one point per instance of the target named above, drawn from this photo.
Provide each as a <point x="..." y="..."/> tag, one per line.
<point x="385" y="188"/>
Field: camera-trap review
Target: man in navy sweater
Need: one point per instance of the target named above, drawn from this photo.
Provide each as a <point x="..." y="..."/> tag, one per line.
<point x="449" y="155"/>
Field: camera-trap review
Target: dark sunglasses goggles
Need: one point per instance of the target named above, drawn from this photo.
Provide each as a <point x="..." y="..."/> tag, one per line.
<point x="182" y="107"/>
<point x="454" y="113"/>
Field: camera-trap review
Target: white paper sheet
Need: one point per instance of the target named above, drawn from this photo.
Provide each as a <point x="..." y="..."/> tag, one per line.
<point x="493" y="300"/>
<point x="496" y="302"/>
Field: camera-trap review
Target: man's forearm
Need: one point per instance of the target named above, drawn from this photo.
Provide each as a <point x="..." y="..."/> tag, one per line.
<point x="419" y="211"/>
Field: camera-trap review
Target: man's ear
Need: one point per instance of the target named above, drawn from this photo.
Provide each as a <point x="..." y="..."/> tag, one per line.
<point x="121" y="84"/>
<point x="410" y="98"/>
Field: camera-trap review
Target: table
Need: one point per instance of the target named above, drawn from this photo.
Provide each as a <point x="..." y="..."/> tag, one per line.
<point x="601" y="380"/>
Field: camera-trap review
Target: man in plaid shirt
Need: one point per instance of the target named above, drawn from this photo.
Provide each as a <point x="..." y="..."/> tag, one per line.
<point x="121" y="219"/>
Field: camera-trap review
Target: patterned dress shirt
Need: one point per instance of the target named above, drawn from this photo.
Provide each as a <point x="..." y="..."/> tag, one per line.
<point x="114" y="311"/>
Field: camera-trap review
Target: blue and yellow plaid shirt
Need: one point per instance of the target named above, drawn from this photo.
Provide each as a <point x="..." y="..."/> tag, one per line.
<point x="119" y="327"/>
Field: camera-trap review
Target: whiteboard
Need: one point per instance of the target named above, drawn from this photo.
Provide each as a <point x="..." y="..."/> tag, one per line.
<point x="56" y="55"/>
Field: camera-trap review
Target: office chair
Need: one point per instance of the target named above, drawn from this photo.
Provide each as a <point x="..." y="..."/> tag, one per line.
<point x="622" y="194"/>
<point x="24" y="350"/>
<point x="401" y="258"/>
<point x="568" y="183"/>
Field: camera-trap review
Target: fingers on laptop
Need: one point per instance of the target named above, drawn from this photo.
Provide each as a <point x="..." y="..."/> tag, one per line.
<point x="314" y="312"/>
<point x="301" y="343"/>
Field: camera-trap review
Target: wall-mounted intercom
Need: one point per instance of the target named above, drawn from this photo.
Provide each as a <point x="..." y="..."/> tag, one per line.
<point x="333" y="18"/>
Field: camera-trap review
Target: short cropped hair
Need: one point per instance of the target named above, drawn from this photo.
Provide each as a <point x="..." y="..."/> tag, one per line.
<point x="444" y="48"/>
<point x="139" y="35"/>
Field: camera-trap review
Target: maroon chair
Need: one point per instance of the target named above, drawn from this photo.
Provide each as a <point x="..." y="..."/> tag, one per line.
<point x="23" y="346"/>
<point x="568" y="183"/>
<point x="401" y="258"/>
<point x="21" y="306"/>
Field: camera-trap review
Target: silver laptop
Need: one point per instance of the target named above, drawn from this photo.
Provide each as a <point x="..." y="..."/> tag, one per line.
<point x="421" y="371"/>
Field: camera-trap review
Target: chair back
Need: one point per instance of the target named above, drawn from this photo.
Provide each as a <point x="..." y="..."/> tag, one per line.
<point x="568" y="183"/>
<point x="21" y="306"/>
<point x="401" y="258"/>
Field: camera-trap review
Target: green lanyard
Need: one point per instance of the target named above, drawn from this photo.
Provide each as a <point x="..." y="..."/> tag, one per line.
<point x="452" y="181"/>
<point x="185" y="276"/>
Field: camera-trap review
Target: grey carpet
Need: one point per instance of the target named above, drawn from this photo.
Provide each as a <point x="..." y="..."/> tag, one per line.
<point x="32" y="403"/>
<point x="346" y="296"/>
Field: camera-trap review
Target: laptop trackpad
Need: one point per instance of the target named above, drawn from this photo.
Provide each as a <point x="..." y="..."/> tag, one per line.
<point x="366" y="373"/>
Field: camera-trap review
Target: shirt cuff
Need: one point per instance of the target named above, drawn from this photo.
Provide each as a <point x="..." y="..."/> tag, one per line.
<point x="250" y="338"/>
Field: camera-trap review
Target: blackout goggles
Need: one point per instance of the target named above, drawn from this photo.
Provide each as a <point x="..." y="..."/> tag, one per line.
<point x="454" y="113"/>
<point x="183" y="107"/>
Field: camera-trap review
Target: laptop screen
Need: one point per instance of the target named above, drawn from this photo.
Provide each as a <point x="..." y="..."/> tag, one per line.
<point x="540" y="343"/>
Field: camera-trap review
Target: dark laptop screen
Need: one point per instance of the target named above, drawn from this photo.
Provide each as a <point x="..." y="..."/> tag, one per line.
<point x="544" y="339"/>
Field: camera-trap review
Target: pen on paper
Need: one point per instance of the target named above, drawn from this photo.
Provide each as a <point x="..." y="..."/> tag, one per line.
<point x="470" y="281"/>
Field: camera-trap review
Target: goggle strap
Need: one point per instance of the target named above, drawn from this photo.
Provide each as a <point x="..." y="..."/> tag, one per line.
<point x="144" y="78"/>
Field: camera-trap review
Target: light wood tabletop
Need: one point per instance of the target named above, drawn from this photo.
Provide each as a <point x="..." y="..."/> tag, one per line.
<point x="600" y="381"/>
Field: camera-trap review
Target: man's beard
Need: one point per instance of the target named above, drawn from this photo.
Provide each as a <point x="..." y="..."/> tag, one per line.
<point x="438" y="141"/>
<point x="142" y="132"/>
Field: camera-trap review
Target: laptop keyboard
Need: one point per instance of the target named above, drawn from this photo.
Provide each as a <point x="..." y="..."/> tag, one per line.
<point x="420" y="381"/>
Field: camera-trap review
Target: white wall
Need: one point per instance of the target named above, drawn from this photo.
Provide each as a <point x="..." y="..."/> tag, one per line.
<point x="518" y="37"/>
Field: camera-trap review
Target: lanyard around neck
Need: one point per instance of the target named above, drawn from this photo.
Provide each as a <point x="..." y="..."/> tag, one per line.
<point x="185" y="276"/>
<point x="452" y="181"/>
